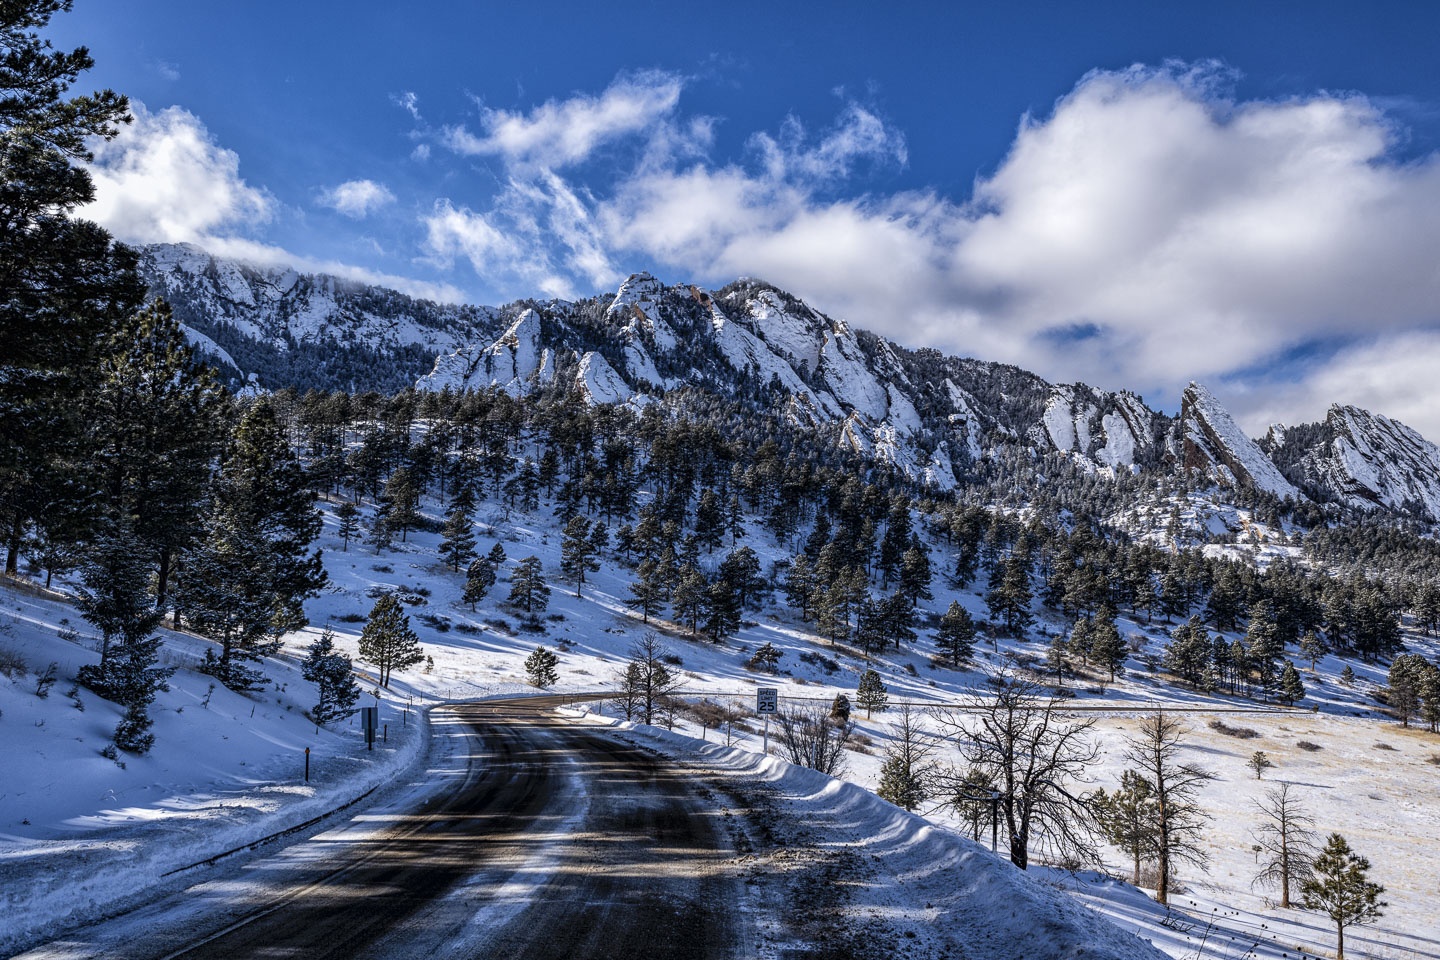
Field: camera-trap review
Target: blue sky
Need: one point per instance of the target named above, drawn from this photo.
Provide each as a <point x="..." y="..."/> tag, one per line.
<point x="1131" y="194"/>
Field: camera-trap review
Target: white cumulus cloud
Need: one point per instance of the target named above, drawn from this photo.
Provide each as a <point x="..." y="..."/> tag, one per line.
<point x="356" y="199"/>
<point x="164" y="178"/>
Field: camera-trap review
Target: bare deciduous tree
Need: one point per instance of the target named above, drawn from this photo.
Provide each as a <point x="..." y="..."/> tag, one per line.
<point x="1285" y="841"/>
<point x="1155" y="751"/>
<point x="809" y="738"/>
<point x="655" y="680"/>
<point x="1034" y="754"/>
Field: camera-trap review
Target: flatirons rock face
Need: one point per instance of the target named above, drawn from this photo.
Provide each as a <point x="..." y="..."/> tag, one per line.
<point x="933" y="417"/>
<point x="1363" y="460"/>
<point x="1213" y="444"/>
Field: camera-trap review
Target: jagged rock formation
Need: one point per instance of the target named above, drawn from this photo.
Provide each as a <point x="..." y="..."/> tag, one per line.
<point x="1363" y="460"/>
<point x="932" y="416"/>
<point x="1213" y="444"/>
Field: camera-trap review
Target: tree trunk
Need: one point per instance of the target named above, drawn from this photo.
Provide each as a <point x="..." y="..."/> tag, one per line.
<point x="162" y="580"/>
<point x="12" y="553"/>
<point x="1340" y="941"/>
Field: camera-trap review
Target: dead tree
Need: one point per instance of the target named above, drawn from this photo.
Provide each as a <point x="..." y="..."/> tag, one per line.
<point x="1285" y="841"/>
<point x="1178" y="819"/>
<point x="1036" y="757"/>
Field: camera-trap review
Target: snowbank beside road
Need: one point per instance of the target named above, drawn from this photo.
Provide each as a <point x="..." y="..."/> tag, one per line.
<point x="82" y="837"/>
<point x="926" y="885"/>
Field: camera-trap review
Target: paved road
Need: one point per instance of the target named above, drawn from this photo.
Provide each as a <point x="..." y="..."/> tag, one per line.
<point x="548" y="839"/>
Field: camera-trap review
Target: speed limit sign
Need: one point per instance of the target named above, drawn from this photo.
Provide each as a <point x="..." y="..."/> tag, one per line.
<point x="767" y="700"/>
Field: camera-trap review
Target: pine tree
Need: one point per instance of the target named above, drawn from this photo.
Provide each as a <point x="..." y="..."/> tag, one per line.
<point x="264" y="490"/>
<point x="479" y="578"/>
<point x="709" y="521"/>
<point x="956" y="635"/>
<point x="1128" y="817"/>
<point x="647" y="591"/>
<point x="404" y="501"/>
<point x="1107" y="647"/>
<point x="1292" y="691"/>
<point x="904" y="774"/>
<point x="382" y="533"/>
<point x="840" y="708"/>
<point x="1339" y="887"/>
<point x="332" y="674"/>
<point x="348" y="517"/>
<point x="228" y="593"/>
<point x="1259" y="763"/>
<point x="1312" y="648"/>
<point x="766" y="657"/>
<point x="577" y="552"/>
<point x="915" y="575"/>
<point x="871" y="693"/>
<point x="541" y="666"/>
<point x="722" y="609"/>
<point x="690" y="598"/>
<point x="387" y="640"/>
<point x="115" y="599"/>
<point x="800" y="585"/>
<point x="527" y="586"/>
<point x="65" y="285"/>
<point x="1057" y="656"/>
<point x="156" y="420"/>
<point x="457" y="546"/>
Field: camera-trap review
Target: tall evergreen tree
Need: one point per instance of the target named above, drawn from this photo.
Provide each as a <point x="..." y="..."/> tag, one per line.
<point x="115" y="600"/>
<point x="332" y="673"/>
<point x="65" y="284"/>
<point x="577" y="552"/>
<point x="457" y="544"/>
<point x="527" y="586"/>
<point x="1340" y="887"/>
<point x="387" y="640"/>
<point x="871" y="693"/>
<point x="541" y="666"/>
<point x="156" y="419"/>
<point x="348" y="517"/>
<point x="479" y="578"/>
<point x="956" y="636"/>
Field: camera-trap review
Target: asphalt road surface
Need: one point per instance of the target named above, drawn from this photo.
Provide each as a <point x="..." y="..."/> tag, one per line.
<point x="546" y="839"/>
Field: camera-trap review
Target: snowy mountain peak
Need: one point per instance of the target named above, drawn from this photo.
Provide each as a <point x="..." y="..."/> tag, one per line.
<point x="1213" y="443"/>
<point x="1369" y="461"/>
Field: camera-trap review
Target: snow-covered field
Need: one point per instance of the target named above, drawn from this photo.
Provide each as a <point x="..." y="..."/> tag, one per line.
<point x="221" y="769"/>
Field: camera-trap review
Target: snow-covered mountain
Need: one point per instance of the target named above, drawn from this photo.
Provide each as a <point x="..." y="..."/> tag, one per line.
<point x="928" y="415"/>
<point x="933" y="417"/>
<point x="1363" y="460"/>
<point x="1213" y="443"/>
<point x="284" y="328"/>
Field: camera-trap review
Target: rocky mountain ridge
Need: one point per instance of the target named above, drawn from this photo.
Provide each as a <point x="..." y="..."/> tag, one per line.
<point x="934" y="417"/>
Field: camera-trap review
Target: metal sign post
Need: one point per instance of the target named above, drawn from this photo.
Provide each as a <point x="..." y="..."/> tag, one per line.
<point x="369" y="720"/>
<point x="767" y="701"/>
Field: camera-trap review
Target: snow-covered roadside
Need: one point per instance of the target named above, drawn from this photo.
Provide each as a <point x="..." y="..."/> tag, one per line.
<point x="85" y="838"/>
<point x="931" y="891"/>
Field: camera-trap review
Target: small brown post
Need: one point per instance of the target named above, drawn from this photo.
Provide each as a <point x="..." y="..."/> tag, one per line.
<point x="307" y="764"/>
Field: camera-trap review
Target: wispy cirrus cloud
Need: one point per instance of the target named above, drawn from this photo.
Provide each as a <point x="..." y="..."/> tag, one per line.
<point x="562" y="132"/>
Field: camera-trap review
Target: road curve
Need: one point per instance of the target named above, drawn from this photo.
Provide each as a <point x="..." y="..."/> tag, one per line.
<point x="547" y="839"/>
